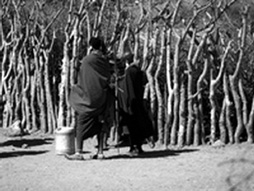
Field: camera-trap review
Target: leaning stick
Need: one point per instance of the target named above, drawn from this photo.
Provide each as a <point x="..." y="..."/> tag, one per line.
<point x="116" y="100"/>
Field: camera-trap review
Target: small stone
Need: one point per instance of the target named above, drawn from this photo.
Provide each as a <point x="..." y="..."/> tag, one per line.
<point x="218" y="144"/>
<point x="24" y="146"/>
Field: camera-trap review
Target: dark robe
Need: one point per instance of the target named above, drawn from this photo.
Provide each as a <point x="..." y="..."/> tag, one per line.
<point x="131" y="105"/>
<point x="90" y="93"/>
<point x="91" y="96"/>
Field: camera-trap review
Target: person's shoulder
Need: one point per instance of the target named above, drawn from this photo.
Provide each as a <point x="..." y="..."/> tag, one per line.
<point x="133" y="68"/>
<point x="88" y="57"/>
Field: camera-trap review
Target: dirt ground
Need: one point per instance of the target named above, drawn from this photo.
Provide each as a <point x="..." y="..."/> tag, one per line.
<point x="31" y="163"/>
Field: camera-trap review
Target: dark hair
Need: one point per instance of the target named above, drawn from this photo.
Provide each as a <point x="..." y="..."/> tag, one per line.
<point x="96" y="43"/>
<point x="129" y="57"/>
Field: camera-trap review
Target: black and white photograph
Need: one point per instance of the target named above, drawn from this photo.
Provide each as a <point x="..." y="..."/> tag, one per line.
<point x="127" y="95"/>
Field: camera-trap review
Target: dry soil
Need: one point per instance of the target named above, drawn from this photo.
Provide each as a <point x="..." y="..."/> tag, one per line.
<point x="31" y="163"/>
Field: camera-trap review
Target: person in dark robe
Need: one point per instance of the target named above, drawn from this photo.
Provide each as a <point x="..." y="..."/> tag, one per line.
<point x="91" y="97"/>
<point x="131" y="104"/>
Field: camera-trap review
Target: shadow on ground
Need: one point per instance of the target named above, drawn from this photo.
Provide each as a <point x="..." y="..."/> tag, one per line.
<point x="154" y="154"/>
<point x="20" y="153"/>
<point x="27" y="142"/>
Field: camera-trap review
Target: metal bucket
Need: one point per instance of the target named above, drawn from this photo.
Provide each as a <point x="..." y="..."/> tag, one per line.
<point x="65" y="140"/>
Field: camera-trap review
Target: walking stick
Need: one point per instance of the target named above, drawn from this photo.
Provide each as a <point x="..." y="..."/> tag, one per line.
<point x="116" y="101"/>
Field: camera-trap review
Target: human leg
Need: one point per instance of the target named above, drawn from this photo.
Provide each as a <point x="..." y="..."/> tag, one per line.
<point x="101" y="136"/>
<point x="78" y="141"/>
<point x="100" y="139"/>
<point x="87" y="126"/>
<point x="135" y="138"/>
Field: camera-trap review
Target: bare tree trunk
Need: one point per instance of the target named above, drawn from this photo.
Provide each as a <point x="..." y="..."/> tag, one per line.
<point x="98" y="19"/>
<point x="4" y="77"/>
<point x="222" y="122"/>
<point x="169" y="107"/>
<point x="51" y="118"/>
<point x="169" y="100"/>
<point x="190" y="88"/>
<point x="250" y="124"/>
<point x="212" y="99"/>
<point x="150" y="73"/>
<point x="70" y="113"/>
<point x="176" y="94"/>
<point x="234" y="82"/>
<point x="190" y="62"/>
<point x="146" y="50"/>
<point x="122" y="48"/>
<point x="136" y="48"/>
<point x="182" y="113"/>
<point x="65" y="71"/>
<point x="213" y="85"/>
<point x="198" y="110"/>
<point x="117" y="23"/>
<point x="41" y="94"/>
<point x="237" y="102"/>
<point x="26" y="109"/>
<point x="11" y="85"/>
<point x="199" y="117"/>
<point x="192" y="114"/>
<point x="228" y="109"/>
<point x="244" y="102"/>
<point x="33" y="103"/>
<point x="159" y="94"/>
